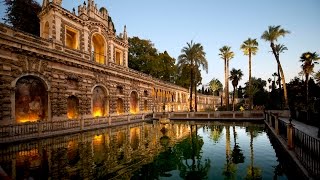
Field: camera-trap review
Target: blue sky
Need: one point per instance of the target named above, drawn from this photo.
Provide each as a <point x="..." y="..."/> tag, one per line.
<point x="171" y="24"/>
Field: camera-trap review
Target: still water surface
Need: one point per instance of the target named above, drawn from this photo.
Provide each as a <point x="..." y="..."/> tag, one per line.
<point x="212" y="150"/>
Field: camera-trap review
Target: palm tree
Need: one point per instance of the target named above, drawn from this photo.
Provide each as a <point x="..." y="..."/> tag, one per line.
<point x="272" y="35"/>
<point x="226" y="54"/>
<point x="280" y="48"/>
<point x="235" y="77"/>
<point x="308" y="59"/>
<point x="215" y="85"/>
<point x="317" y="77"/>
<point x="194" y="56"/>
<point x="229" y="168"/>
<point x="253" y="172"/>
<point x="249" y="48"/>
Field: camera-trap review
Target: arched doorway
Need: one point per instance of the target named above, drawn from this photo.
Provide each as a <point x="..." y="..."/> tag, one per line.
<point x="31" y="100"/>
<point x="100" y="104"/>
<point x="72" y="107"/>
<point x="134" y="105"/>
<point x="98" y="48"/>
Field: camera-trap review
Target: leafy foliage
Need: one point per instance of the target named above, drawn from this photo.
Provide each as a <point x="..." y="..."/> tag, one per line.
<point x="23" y="15"/>
<point x="260" y="95"/>
<point x="215" y="86"/>
<point x="144" y="57"/>
<point x="309" y="60"/>
<point x="141" y="55"/>
<point x="183" y="76"/>
<point x="193" y="56"/>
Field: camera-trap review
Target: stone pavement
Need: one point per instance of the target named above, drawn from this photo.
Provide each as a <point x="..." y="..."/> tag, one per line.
<point x="308" y="129"/>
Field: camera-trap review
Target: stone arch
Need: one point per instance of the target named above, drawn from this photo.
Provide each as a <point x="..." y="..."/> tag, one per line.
<point x="72" y="107"/>
<point x="98" y="48"/>
<point x="46" y="30"/>
<point x="120" y="107"/>
<point x="134" y="102"/>
<point x="30" y="99"/>
<point x="100" y="102"/>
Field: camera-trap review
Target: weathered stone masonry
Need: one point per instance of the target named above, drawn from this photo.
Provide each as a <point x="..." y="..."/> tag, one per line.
<point x="78" y="68"/>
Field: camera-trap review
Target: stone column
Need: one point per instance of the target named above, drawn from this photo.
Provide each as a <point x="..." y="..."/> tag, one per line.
<point x="276" y="120"/>
<point x="290" y="136"/>
<point x="270" y="119"/>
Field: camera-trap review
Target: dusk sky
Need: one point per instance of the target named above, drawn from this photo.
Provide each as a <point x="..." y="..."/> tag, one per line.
<point x="171" y="24"/>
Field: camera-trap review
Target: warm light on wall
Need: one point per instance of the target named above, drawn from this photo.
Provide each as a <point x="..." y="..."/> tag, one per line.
<point x="32" y="117"/>
<point x="97" y="112"/>
<point x="133" y="111"/>
<point x="71" y="40"/>
<point x="98" y="48"/>
<point x="72" y="114"/>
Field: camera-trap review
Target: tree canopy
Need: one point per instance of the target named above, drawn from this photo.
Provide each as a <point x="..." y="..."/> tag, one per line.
<point x="215" y="86"/>
<point x="144" y="57"/>
<point x="23" y="15"/>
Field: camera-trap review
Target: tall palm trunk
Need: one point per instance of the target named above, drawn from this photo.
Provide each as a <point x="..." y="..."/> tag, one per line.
<point x="228" y="148"/>
<point x="225" y="82"/>
<point x="280" y="90"/>
<point x="195" y="98"/>
<point x="307" y="88"/>
<point x="191" y="86"/>
<point x="226" y="76"/>
<point x="307" y="94"/>
<point x="250" y="85"/>
<point x="282" y="75"/>
<point x="234" y="90"/>
<point x="251" y="153"/>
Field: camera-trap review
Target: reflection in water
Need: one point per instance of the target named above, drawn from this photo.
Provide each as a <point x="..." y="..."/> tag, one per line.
<point x="148" y="151"/>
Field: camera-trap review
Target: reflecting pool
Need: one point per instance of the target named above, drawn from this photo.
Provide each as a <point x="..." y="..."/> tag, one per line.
<point x="149" y="150"/>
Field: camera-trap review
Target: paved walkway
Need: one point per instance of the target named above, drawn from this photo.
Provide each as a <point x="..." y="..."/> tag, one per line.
<point x="308" y="129"/>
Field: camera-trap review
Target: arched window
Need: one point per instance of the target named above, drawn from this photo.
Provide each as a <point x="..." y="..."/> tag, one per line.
<point x="134" y="105"/>
<point x="120" y="106"/>
<point x="31" y="100"/>
<point x="72" y="107"/>
<point x="99" y="102"/>
<point x="98" y="49"/>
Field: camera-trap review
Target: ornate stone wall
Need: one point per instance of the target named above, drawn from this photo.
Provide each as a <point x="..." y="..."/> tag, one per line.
<point x="66" y="72"/>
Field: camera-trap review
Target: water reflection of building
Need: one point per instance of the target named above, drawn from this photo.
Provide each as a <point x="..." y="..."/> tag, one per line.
<point x="77" y="69"/>
<point x="104" y="153"/>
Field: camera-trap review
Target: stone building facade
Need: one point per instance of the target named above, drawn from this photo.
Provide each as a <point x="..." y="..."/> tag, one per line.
<point x="77" y="68"/>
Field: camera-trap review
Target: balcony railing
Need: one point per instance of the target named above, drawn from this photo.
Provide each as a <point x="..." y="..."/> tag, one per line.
<point x="30" y="130"/>
<point x="98" y="57"/>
